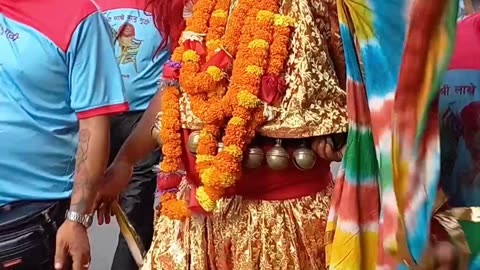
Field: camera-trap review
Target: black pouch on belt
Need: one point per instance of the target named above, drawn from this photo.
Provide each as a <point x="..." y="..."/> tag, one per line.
<point x="27" y="234"/>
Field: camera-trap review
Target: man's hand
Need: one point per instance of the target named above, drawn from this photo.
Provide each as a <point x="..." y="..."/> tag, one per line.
<point x="116" y="181"/>
<point x="445" y="255"/>
<point x="440" y="256"/>
<point x="323" y="146"/>
<point x="73" y="247"/>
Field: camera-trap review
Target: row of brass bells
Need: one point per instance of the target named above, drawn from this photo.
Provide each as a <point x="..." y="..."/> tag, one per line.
<point x="278" y="158"/>
<point x="192" y="143"/>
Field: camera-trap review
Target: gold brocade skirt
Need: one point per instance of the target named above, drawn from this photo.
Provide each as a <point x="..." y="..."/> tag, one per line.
<point x="245" y="235"/>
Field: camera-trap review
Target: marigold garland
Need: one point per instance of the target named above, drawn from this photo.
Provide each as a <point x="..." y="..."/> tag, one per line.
<point x="279" y="46"/>
<point x="171" y="125"/>
<point x="256" y="51"/>
<point x="218" y="23"/>
<point x="172" y="147"/>
<point x="250" y="60"/>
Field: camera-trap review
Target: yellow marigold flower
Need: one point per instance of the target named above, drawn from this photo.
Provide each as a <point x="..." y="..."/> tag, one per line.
<point x="202" y="158"/>
<point x="265" y="16"/>
<point x="190" y="56"/>
<point x="219" y="13"/>
<point x="215" y="72"/>
<point x="247" y="100"/>
<point x="226" y="180"/>
<point x="205" y="202"/>
<point x="204" y="133"/>
<point x="214" y="44"/>
<point x="207" y="176"/>
<point x="283" y="21"/>
<point x="211" y="177"/>
<point x="258" y="43"/>
<point x="237" y="121"/>
<point x="234" y="151"/>
<point x="252" y="69"/>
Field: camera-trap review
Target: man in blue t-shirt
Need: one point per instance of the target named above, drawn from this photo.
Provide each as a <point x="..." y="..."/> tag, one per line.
<point x="136" y="42"/>
<point x="459" y="108"/>
<point x="59" y="84"/>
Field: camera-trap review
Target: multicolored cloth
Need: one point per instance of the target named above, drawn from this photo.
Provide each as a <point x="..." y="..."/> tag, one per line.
<point x="392" y="163"/>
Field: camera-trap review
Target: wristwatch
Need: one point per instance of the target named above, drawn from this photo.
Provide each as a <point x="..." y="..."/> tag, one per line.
<point x="85" y="220"/>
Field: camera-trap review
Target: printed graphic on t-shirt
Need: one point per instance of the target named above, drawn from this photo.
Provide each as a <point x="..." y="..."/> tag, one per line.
<point x="128" y="45"/>
<point x="8" y="34"/>
<point x="136" y="40"/>
<point x="460" y="136"/>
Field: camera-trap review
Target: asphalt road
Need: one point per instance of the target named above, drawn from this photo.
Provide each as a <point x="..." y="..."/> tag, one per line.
<point x="103" y="240"/>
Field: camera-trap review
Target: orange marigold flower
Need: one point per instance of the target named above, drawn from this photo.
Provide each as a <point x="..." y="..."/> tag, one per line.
<point x="175" y="209"/>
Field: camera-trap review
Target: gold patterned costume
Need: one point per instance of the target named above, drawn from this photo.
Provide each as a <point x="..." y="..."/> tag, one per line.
<point x="245" y="232"/>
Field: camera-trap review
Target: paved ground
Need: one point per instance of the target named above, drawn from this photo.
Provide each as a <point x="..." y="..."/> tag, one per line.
<point x="103" y="240"/>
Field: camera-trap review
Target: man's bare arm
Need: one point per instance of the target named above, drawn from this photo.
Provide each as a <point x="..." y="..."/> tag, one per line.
<point x="140" y="143"/>
<point x="91" y="161"/>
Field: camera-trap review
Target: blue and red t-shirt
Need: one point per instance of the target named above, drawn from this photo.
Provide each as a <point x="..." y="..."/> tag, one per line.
<point x="460" y="128"/>
<point x="136" y="42"/>
<point x="57" y="65"/>
<point x="460" y="117"/>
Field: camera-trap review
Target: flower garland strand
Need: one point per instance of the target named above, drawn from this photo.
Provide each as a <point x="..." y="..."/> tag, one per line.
<point x="218" y="23"/>
<point x="172" y="149"/>
<point x="279" y="48"/>
<point x="217" y="105"/>
<point x="248" y="69"/>
<point x="170" y="177"/>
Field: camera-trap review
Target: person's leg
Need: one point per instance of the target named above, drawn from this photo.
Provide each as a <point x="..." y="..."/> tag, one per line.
<point x="137" y="201"/>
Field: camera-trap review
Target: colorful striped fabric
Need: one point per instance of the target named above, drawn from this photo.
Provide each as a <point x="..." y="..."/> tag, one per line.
<point x="384" y="175"/>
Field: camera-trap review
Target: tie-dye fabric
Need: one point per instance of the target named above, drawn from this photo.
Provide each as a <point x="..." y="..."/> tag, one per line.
<point x="388" y="154"/>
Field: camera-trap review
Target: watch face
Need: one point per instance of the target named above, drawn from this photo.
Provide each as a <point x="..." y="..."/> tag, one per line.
<point x="88" y="221"/>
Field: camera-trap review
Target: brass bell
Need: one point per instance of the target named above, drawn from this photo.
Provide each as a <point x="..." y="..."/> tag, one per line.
<point x="254" y="158"/>
<point x="220" y="147"/>
<point x="193" y="142"/>
<point x="156" y="134"/>
<point x="304" y="158"/>
<point x="277" y="157"/>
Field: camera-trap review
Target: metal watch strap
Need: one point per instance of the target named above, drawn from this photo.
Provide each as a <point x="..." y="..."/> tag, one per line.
<point x="85" y="220"/>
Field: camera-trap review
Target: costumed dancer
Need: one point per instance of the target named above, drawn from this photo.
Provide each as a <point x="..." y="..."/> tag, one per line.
<point x="384" y="197"/>
<point x="250" y="101"/>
